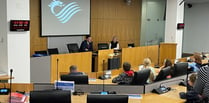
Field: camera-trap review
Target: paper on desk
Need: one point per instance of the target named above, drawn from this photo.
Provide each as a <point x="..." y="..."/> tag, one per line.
<point x="92" y="79"/>
<point x="134" y="96"/>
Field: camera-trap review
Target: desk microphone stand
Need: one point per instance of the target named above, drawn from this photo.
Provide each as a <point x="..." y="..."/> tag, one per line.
<point x="10" y="95"/>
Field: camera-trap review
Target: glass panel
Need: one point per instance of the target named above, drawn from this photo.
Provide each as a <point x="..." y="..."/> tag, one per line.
<point x="153" y="22"/>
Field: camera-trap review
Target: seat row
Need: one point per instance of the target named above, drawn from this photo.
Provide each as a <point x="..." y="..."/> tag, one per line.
<point x="72" y="48"/>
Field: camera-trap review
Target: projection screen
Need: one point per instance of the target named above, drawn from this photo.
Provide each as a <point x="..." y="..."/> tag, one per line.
<point x="65" y="17"/>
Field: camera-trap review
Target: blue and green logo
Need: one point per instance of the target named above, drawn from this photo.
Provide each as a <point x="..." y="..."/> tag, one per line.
<point x="66" y="12"/>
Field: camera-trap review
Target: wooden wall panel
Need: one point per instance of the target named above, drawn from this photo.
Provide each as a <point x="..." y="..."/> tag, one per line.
<point x="167" y="51"/>
<point x="81" y="60"/>
<point x="37" y="43"/>
<point x="103" y="55"/>
<point x="153" y="53"/>
<point x="27" y="87"/>
<point x="115" y="18"/>
<point x="142" y="53"/>
<point x="136" y="55"/>
<point x="128" y="55"/>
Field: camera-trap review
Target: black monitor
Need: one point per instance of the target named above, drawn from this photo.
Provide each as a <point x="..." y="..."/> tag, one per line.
<point x="102" y="46"/>
<point x="53" y="51"/>
<point x="180" y="69"/>
<point x="163" y="73"/>
<point x="40" y="53"/>
<point x="73" y="47"/>
<point x="107" y="98"/>
<point x="50" y="96"/>
<point x="78" y="79"/>
<point x="43" y="52"/>
<point x="131" y="45"/>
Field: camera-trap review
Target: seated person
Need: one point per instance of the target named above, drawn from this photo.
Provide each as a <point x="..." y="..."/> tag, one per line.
<point x="201" y="85"/>
<point x="195" y="66"/>
<point x="147" y="65"/>
<point x="73" y="71"/>
<point x="191" y="95"/>
<point x="126" y="77"/>
<point x="86" y="45"/>
<point x="114" y="44"/>
<point x="167" y="63"/>
<point x="191" y="81"/>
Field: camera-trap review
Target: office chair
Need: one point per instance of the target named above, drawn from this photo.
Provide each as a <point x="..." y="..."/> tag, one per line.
<point x="107" y="98"/>
<point x="131" y="45"/>
<point x="78" y="79"/>
<point x="163" y="74"/>
<point x="140" y="77"/>
<point x="102" y="46"/>
<point x="180" y="69"/>
<point x="53" y="51"/>
<point x="73" y="47"/>
<point x="41" y="52"/>
<point x="50" y="96"/>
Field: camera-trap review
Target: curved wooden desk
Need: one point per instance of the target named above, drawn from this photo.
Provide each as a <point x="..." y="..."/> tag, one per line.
<point x="5" y="77"/>
<point x="99" y="81"/>
<point x="169" y="97"/>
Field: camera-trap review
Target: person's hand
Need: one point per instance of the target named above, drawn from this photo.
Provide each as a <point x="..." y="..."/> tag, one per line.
<point x="190" y="83"/>
<point x="86" y="49"/>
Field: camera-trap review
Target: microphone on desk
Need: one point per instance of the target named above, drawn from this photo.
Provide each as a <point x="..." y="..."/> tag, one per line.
<point x="4" y="90"/>
<point x="104" y="92"/>
<point x="11" y="70"/>
<point x="163" y="89"/>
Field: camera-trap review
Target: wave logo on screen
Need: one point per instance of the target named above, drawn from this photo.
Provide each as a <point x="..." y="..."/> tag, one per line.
<point x="66" y="12"/>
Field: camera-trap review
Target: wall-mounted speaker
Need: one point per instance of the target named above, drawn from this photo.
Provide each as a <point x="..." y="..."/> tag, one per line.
<point x="189" y="5"/>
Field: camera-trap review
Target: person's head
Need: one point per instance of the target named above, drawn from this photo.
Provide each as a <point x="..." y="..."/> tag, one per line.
<point x="88" y="38"/>
<point x="126" y="66"/>
<point x="147" y="62"/>
<point x="73" y="68"/>
<point x="167" y="63"/>
<point x="197" y="58"/>
<point x="114" y="39"/>
<point x="192" y="79"/>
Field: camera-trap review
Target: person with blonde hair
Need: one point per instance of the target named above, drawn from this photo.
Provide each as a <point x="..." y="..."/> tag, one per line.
<point x="147" y="65"/>
<point x="114" y="44"/>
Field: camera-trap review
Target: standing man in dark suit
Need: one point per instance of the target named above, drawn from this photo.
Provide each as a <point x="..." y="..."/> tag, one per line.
<point x="86" y="45"/>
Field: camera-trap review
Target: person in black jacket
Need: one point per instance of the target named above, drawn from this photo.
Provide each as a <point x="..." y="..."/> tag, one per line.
<point x="74" y="72"/>
<point x="86" y="45"/>
<point x="126" y="77"/>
